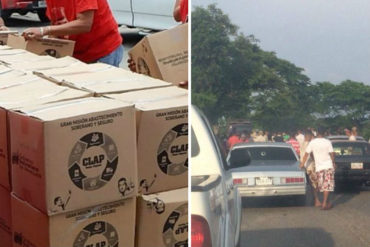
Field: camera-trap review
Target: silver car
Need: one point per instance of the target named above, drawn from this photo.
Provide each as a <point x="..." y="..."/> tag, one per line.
<point x="270" y="169"/>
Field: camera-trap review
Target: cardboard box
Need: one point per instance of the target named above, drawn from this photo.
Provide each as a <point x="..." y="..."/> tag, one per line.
<point x="109" y="80"/>
<point x="162" y="145"/>
<point x="25" y="91"/>
<point x="162" y="219"/>
<point x="163" y="55"/>
<point x="5" y="218"/>
<point x="150" y="95"/>
<point x="108" y="225"/>
<point x="46" y="46"/>
<point x="64" y="62"/>
<point x="12" y="59"/>
<point x="71" y="155"/>
<point x="4" y="36"/>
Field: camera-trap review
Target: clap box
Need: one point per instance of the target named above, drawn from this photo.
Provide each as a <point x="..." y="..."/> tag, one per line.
<point x="162" y="145"/>
<point x="163" y="55"/>
<point x="107" y="225"/>
<point x="110" y="80"/>
<point x="162" y="219"/>
<point x="25" y="91"/>
<point x="46" y="46"/>
<point x="4" y="36"/>
<point x="5" y="218"/>
<point x="75" y="154"/>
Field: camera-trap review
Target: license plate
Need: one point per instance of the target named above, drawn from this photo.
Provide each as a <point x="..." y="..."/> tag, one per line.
<point x="357" y="166"/>
<point x="42" y="4"/>
<point x="263" y="181"/>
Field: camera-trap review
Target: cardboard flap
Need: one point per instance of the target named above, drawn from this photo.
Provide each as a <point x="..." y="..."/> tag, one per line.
<point x="66" y="109"/>
<point x="150" y="95"/>
<point x="163" y="104"/>
<point x="173" y="196"/>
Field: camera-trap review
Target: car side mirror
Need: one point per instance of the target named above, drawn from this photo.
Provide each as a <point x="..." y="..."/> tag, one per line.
<point x="239" y="157"/>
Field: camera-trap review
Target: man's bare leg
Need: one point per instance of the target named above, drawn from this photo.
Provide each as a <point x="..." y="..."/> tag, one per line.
<point x="326" y="204"/>
<point x="316" y="196"/>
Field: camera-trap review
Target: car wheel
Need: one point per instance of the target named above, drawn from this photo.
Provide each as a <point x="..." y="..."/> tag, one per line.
<point x="42" y="15"/>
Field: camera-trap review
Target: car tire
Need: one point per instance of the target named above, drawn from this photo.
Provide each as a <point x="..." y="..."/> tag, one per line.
<point x="42" y="15"/>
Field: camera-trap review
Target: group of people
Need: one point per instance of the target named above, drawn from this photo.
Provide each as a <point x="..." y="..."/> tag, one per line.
<point x="91" y="25"/>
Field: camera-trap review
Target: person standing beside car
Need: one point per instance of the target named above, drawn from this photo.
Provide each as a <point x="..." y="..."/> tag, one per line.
<point x="180" y="12"/>
<point x="323" y="153"/>
<point x="88" y="22"/>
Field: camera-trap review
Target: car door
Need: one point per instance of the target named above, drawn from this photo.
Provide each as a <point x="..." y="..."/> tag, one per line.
<point x="122" y="11"/>
<point x="153" y="14"/>
<point x="232" y="194"/>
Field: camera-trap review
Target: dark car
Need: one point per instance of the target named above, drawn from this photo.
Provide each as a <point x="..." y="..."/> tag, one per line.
<point x="344" y="138"/>
<point x="353" y="161"/>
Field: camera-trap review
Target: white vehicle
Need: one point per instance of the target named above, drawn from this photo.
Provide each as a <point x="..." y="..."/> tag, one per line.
<point x="267" y="169"/>
<point x="147" y="14"/>
<point x="215" y="203"/>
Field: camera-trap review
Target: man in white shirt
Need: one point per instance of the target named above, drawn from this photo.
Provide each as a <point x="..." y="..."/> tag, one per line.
<point x="323" y="153"/>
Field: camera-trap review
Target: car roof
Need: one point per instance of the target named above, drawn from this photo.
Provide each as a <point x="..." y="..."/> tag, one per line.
<point x="348" y="141"/>
<point x="343" y="137"/>
<point x="262" y="144"/>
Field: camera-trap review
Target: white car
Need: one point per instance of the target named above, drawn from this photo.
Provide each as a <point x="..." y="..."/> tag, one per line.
<point x="147" y="14"/>
<point x="215" y="202"/>
<point x="267" y="169"/>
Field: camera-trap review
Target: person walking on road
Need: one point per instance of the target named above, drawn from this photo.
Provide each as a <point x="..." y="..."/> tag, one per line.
<point x="310" y="168"/>
<point x="295" y="144"/>
<point x="323" y="153"/>
<point x="90" y="23"/>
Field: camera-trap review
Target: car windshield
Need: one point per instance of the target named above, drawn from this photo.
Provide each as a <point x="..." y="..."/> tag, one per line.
<point x="350" y="149"/>
<point x="271" y="153"/>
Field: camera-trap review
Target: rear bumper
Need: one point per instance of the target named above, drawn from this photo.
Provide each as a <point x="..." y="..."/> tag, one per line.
<point x="272" y="191"/>
<point x="352" y="175"/>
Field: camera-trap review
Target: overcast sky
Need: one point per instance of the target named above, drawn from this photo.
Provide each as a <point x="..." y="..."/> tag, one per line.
<point x="330" y="39"/>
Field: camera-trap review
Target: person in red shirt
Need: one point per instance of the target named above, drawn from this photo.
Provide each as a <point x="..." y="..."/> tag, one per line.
<point x="88" y="22"/>
<point x="292" y="141"/>
<point x="233" y="139"/>
<point x="180" y="12"/>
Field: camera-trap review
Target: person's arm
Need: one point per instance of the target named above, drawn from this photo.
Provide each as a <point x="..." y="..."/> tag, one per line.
<point x="304" y="160"/>
<point x="177" y="11"/>
<point x="332" y="156"/>
<point x="82" y="24"/>
<point x="2" y="25"/>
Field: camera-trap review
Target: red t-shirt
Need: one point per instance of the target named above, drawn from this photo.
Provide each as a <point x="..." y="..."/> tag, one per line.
<point x="103" y="38"/>
<point x="232" y="141"/>
<point x="184" y="8"/>
<point x="295" y="145"/>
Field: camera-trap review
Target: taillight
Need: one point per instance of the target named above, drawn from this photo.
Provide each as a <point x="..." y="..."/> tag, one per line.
<point x="200" y="232"/>
<point x="237" y="181"/>
<point x="292" y="180"/>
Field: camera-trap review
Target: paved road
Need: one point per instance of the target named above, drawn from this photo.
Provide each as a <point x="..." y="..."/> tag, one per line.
<point x="20" y="23"/>
<point x="278" y="222"/>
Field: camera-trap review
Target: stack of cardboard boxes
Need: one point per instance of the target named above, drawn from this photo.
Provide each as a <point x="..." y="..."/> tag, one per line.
<point x="94" y="155"/>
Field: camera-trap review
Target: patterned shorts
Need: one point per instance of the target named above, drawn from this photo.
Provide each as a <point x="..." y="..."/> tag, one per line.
<point x="325" y="180"/>
<point x="311" y="172"/>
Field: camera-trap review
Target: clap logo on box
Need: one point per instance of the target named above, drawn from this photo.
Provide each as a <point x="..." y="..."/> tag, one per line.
<point x="97" y="234"/>
<point x="93" y="161"/>
<point x="172" y="154"/>
<point x="175" y="230"/>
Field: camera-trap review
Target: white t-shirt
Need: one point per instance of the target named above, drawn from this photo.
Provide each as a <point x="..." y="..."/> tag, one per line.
<point x="321" y="149"/>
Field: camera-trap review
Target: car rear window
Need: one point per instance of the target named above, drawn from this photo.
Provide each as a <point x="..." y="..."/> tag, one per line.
<point x="271" y="153"/>
<point x="351" y="149"/>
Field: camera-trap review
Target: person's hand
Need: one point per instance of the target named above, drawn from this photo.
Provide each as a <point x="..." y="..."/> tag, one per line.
<point x="4" y="28"/>
<point x="131" y="64"/>
<point x="334" y="166"/>
<point x="301" y="166"/>
<point x="33" y="33"/>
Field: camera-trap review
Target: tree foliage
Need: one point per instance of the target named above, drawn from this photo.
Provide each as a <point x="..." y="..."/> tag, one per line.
<point x="233" y="77"/>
